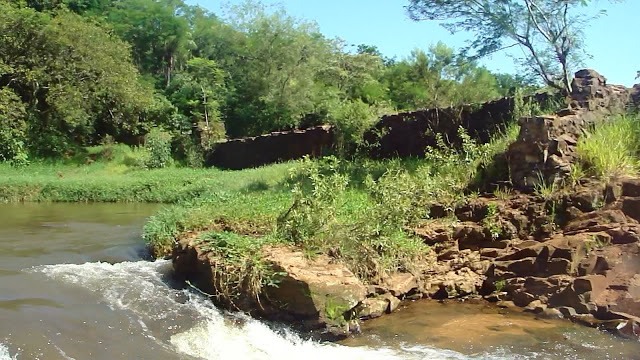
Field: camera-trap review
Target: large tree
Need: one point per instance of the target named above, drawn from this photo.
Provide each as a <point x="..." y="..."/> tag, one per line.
<point x="65" y="82"/>
<point x="549" y="31"/>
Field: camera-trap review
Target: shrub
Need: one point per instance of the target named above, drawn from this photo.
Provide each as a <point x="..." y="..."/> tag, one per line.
<point x="351" y="120"/>
<point x="158" y="145"/>
<point x="12" y="128"/>
<point x="366" y="232"/>
<point x="316" y="190"/>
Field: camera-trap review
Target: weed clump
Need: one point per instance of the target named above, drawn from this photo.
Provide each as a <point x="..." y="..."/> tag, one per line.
<point x="239" y="268"/>
<point x="611" y="149"/>
<point x="369" y="240"/>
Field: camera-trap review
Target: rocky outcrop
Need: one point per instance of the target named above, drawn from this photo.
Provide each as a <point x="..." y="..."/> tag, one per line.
<point x="546" y="146"/>
<point x="585" y="266"/>
<point x="315" y="294"/>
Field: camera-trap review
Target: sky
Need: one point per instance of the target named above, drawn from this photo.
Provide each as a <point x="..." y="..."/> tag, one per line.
<point x="611" y="40"/>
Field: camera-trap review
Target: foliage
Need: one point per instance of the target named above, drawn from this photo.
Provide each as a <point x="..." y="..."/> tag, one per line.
<point x="84" y="69"/>
<point x="369" y="240"/>
<point x="315" y="191"/>
<point x="611" y="149"/>
<point x="160" y="40"/>
<point x="158" y="145"/>
<point x="548" y="31"/>
<point x="439" y="78"/>
<point x="352" y="119"/>
<point x="12" y="128"/>
<point x="198" y="92"/>
<point x="75" y="80"/>
<point x="491" y="221"/>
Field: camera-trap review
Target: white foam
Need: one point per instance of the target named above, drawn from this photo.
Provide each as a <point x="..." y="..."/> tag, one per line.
<point x="138" y="288"/>
<point x="4" y="353"/>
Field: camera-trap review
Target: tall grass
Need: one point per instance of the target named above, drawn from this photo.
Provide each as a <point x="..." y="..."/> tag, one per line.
<point x="611" y="149"/>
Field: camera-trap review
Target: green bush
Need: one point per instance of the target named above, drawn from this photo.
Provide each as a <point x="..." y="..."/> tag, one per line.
<point x="12" y="128"/>
<point x="363" y="229"/>
<point x="158" y="145"/>
<point x="317" y="187"/>
<point x="351" y="119"/>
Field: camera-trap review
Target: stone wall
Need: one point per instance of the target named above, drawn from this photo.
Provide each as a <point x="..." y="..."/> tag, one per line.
<point x="544" y="149"/>
<point x="546" y="146"/>
<point x="270" y="148"/>
<point x="399" y="135"/>
<point x="408" y="134"/>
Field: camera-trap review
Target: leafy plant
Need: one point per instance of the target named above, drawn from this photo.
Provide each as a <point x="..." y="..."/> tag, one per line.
<point x="491" y="221"/>
<point x="315" y="195"/>
<point x="158" y="145"/>
<point x="500" y="285"/>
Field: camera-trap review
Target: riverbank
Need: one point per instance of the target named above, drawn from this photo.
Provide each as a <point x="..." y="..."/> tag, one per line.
<point x="67" y="268"/>
<point x="108" y="181"/>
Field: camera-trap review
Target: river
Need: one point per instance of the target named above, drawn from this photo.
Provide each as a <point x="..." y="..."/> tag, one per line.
<point x="75" y="284"/>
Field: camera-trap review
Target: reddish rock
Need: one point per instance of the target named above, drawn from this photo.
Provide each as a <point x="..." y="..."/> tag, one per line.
<point x="597" y="221"/>
<point x="595" y="284"/>
<point x="311" y="287"/>
<point x="400" y="284"/>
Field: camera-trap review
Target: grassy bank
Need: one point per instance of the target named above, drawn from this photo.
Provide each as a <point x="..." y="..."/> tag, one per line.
<point x="119" y="178"/>
<point x="358" y="211"/>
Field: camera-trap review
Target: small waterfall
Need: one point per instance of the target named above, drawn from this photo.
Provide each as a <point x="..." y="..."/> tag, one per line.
<point x="189" y="323"/>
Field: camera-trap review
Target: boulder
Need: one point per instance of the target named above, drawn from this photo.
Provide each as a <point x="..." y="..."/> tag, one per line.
<point x="631" y="207"/>
<point x="630" y="187"/>
<point x="400" y="284"/>
<point x="371" y="308"/>
<point x="317" y="288"/>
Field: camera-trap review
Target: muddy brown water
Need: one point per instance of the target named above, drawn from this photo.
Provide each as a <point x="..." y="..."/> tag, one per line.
<point x="75" y="284"/>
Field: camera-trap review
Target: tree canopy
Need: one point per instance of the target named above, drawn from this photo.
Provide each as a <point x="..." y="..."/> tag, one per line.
<point x="549" y="31"/>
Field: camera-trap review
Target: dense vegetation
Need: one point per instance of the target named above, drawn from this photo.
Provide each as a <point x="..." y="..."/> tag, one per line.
<point x="75" y="73"/>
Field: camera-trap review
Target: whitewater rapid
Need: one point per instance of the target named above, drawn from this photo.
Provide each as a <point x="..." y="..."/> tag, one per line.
<point x="187" y="323"/>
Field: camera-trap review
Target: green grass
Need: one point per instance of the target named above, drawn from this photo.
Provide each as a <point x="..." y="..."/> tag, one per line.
<point x="612" y="148"/>
<point x="240" y="270"/>
<point x="116" y="182"/>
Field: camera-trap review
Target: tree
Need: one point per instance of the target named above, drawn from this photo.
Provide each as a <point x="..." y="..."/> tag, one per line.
<point x="549" y="31"/>
<point x="198" y="92"/>
<point x="273" y="74"/>
<point x="438" y="78"/>
<point x="159" y="37"/>
<point x="70" y="79"/>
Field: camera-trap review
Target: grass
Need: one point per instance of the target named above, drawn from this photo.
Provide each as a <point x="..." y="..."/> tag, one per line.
<point x="612" y="148"/>
<point x="103" y="181"/>
<point x="240" y="268"/>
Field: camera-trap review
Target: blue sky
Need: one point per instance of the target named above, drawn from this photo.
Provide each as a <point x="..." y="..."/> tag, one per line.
<point x="611" y="40"/>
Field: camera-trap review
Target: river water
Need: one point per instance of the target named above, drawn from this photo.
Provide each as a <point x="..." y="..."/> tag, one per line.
<point x="75" y="284"/>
